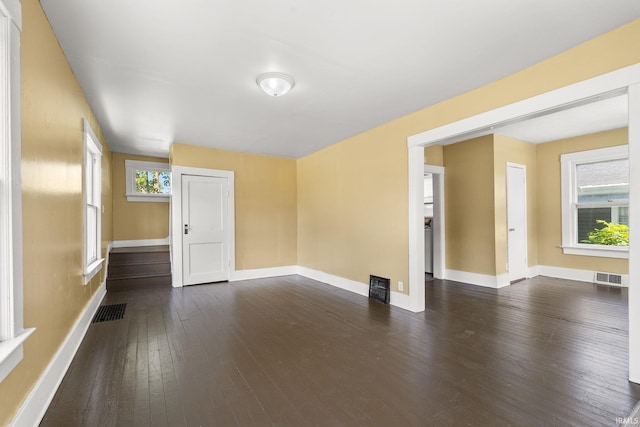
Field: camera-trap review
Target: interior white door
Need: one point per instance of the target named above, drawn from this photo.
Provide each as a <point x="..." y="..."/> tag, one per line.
<point x="205" y="234"/>
<point x="517" y="221"/>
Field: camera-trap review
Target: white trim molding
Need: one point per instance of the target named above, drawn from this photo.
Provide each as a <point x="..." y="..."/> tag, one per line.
<point x="92" y="176"/>
<point x="562" y="98"/>
<point x="478" y="279"/>
<point x="38" y="400"/>
<point x="634" y="233"/>
<point x="12" y="332"/>
<point x="397" y="299"/>
<point x="140" y="243"/>
<point x="575" y="274"/>
<point x="263" y="273"/>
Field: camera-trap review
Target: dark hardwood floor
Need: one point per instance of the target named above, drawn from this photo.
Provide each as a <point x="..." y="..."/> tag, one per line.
<point x="291" y="351"/>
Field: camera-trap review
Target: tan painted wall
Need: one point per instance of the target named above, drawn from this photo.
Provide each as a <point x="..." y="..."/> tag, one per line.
<point x="434" y="155"/>
<point x="549" y="202"/>
<point x="265" y="202"/>
<point x="469" y="206"/>
<point x="52" y="148"/>
<point x="136" y="220"/>
<point x="509" y="150"/>
<point x="353" y="196"/>
<point x="352" y="209"/>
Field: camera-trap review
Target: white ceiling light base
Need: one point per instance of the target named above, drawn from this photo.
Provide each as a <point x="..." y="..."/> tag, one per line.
<point x="275" y="84"/>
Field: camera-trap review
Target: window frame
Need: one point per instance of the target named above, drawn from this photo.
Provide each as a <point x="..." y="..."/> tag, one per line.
<point x="569" y="162"/>
<point x="12" y="332"/>
<point x="92" y="201"/>
<point x="131" y="166"/>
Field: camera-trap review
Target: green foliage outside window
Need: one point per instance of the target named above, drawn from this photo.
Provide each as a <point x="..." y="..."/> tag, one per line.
<point x="610" y="234"/>
<point x="153" y="182"/>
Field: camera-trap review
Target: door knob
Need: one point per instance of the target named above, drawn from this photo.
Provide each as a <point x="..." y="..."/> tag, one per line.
<point x="512" y="229"/>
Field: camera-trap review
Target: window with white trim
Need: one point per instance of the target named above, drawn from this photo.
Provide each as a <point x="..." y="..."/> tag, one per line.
<point x="93" y="203"/>
<point x="595" y="202"/>
<point x="147" y="181"/>
<point x="12" y="332"/>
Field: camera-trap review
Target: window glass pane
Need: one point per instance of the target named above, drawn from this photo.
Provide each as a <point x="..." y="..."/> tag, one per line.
<point x="603" y="181"/>
<point x="153" y="182"/>
<point x="92" y="231"/>
<point x="96" y="181"/>
<point x="604" y="226"/>
<point x="88" y="178"/>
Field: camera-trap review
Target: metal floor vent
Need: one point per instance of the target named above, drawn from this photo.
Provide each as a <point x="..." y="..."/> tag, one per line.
<point x="106" y="313"/>
<point x="608" y="278"/>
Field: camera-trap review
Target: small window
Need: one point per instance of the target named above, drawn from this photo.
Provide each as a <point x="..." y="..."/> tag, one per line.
<point x="93" y="203"/>
<point x="595" y="202"/>
<point x="147" y="181"/>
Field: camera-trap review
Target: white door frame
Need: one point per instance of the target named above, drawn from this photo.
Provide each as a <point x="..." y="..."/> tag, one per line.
<point x="438" y="228"/>
<point x="176" y="217"/>
<point x="624" y="79"/>
<point x="526" y="225"/>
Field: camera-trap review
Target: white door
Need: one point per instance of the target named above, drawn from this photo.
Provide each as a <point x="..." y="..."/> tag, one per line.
<point x="205" y="232"/>
<point x="516" y="221"/>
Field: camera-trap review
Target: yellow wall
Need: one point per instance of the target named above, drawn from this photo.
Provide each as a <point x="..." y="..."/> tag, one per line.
<point x="509" y="150"/>
<point x="136" y="220"/>
<point x="549" y="202"/>
<point x="434" y="155"/>
<point x="53" y="107"/>
<point x="265" y="202"/>
<point x="469" y="206"/>
<point x="352" y="209"/>
<point x="353" y="196"/>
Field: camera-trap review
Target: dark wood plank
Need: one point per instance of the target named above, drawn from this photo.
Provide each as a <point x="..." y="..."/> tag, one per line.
<point x="292" y="351"/>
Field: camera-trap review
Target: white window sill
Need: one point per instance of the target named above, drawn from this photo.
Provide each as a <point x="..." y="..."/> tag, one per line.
<point x="598" y="251"/>
<point x="92" y="270"/>
<point x="11" y="352"/>
<point x="148" y="198"/>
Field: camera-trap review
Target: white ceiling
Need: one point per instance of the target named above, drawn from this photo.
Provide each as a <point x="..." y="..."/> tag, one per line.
<point x="161" y="71"/>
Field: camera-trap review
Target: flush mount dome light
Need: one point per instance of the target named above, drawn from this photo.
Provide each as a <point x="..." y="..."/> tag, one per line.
<point x="275" y="84"/>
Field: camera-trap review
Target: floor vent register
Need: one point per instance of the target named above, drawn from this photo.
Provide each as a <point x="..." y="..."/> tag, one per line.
<point x="107" y="313"/>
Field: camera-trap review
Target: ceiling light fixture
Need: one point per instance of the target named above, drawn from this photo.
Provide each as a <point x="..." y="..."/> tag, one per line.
<point x="275" y="84"/>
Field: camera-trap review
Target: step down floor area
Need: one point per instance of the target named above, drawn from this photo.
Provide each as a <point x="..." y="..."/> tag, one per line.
<point x="139" y="267"/>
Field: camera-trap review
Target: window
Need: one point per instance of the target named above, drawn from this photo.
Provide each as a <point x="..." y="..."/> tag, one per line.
<point x="12" y="333"/>
<point x="93" y="203"/>
<point x="147" y="181"/>
<point x="595" y="202"/>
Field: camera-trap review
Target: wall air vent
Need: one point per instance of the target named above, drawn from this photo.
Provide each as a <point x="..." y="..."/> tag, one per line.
<point x="608" y="279"/>
<point x="380" y="289"/>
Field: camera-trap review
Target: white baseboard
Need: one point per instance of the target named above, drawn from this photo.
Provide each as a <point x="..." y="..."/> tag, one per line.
<point x="478" y="279"/>
<point x="35" y="405"/>
<point x="397" y="299"/>
<point x="575" y="274"/>
<point x="533" y="271"/>
<point x="261" y="273"/>
<point x="137" y="243"/>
